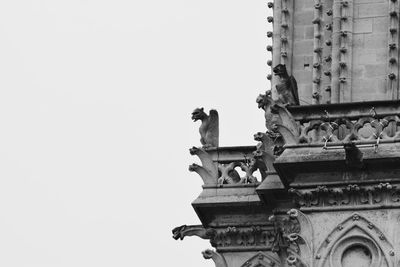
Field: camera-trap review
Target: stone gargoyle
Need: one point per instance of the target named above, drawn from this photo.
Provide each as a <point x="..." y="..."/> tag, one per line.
<point x="278" y="119"/>
<point x="287" y="86"/>
<point x="209" y="128"/>
<point x="182" y="231"/>
<point x="209" y="170"/>
<point x="265" y="153"/>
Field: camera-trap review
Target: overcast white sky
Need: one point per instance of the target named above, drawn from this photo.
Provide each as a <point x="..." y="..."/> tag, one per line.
<point x="95" y="126"/>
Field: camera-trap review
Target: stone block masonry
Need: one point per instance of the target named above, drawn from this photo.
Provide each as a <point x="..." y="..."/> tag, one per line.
<point x="349" y="47"/>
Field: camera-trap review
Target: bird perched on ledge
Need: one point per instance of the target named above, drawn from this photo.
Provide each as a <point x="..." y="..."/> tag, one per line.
<point x="354" y="157"/>
<point x="287" y="87"/>
<point x="209" y="128"/>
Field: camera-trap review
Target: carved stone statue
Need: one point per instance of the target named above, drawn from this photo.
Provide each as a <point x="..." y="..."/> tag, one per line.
<point x="287" y="87"/>
<point x="209" y="128"/>
<point x="278" y="119"/>
<point x="192" y="230"/>
<point x="265" y="102"/>
<point x="208" y="171"/>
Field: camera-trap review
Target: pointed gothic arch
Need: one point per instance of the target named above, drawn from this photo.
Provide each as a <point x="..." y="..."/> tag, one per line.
<point x="262" y="260"/>
<point x="348" y="238"/>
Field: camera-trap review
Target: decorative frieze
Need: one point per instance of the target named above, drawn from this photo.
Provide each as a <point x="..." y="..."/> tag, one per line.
<point x="352" y="195"/>
<point x="275" y="235"/>
<point x="244" y="238"/>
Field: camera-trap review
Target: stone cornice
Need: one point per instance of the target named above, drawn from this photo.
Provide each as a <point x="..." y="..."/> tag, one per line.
<point x="351" y="196"/>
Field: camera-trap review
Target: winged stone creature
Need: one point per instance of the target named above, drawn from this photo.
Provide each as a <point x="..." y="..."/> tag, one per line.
<point x="287" y="87"/>
<point x="209" y="128"/>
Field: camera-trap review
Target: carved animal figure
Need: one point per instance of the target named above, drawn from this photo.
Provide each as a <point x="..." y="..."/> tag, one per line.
<point x="209" y="128"/>
<point x="287" y="86"/>
<point x="254" y="165"/>
<point x="192" y="230"/>
<point x="208" y="171"/>
<point x="278" y="118"/>
<point x="265" y="102"/>
<point x="265" y="151"/>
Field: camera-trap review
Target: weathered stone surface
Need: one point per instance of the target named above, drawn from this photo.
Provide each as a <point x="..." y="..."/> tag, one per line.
<point x="209" y="128"/>
<point x="322" y="186"/>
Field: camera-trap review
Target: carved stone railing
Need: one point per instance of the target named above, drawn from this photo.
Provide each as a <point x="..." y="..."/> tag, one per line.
<point x="336" y="124"/>
<point x="232" y="176"/>
<point x="224" y="166"/>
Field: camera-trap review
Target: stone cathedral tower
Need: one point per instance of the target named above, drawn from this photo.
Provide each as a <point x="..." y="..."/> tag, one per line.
<point x="322" y="186"/>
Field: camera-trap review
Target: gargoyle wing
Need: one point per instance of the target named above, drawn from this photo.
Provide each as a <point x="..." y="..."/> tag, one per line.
<point x="214" y="121"/>
<point x="213" y="115"/>
<point x="293" y="87"/>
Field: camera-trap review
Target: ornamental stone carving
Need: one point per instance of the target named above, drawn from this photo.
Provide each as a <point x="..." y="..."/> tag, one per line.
<point x="209" y="128"/>
<point x="353" y="195"/>
<point x="208" y="171"/>
<point x="243" y="238"/>
<point x="192" y="230"/>
<point x="294" y="239"/>
<point x="355" y="240"/>
<point x="278" y="119"/>
<point x="263" y="260"/>
<point x="286" y="87"/>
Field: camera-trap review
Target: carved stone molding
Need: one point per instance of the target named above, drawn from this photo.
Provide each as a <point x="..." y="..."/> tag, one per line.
<point x="278" y="119"/>
<point x="353" y="195"/>
<point x="350" y="236"/>
<point x="233" y="238"/>
<point x="295" y="238"/>
<point x="244" y="238"/>
<point x="263" y="260"/>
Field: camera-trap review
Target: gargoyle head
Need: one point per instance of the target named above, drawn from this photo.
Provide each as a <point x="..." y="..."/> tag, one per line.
<point x="280" y="70"/>
<point x="193" y="167"/>
<point x="198" y="114"/>
<point x="259" y="136"/>
<point x="264" y="100"/>
<point x="177" y="232"/>
<point x="260" y="101"/>
<point x="207" y="254"/>
<point x="194" y="150"/>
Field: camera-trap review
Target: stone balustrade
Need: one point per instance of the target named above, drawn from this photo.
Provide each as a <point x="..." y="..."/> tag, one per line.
<point x="223" y="166"/>
<point x="335" y="124"/>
